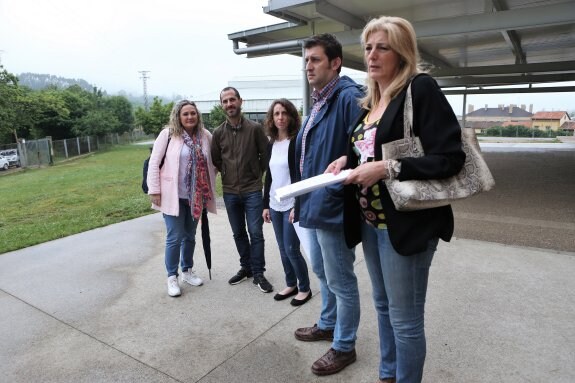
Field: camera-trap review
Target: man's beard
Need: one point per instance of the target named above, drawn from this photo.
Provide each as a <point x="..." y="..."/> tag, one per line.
<point x="232" y="113"/>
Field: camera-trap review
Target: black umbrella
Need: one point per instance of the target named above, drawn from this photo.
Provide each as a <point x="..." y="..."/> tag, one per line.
<point x="206" y="241"/>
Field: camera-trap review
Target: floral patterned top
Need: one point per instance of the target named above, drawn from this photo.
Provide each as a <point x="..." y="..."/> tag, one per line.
<point x="363" y="139"/>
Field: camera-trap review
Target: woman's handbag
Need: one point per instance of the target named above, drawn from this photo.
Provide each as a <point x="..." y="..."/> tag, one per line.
<point x="473" y="178"/>
<point x="145" y="168"/>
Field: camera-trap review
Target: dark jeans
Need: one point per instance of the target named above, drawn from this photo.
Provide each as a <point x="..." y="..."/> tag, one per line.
<point x="295" y="266"/>
<point x="242" y="209"/>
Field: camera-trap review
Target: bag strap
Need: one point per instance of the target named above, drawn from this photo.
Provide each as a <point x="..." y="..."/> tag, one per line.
<point x="408" y="114"/>
<point x="164" y="157"/>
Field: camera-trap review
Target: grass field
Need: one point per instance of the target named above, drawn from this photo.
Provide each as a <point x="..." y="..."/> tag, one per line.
<point x="40" y="205"/>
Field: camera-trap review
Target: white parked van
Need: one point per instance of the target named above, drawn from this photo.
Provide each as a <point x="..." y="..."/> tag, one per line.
<point x="4" y="165"/>
<point x="12" y="156"/>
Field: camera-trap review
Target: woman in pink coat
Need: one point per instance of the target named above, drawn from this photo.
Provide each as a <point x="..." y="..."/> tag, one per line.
<point x="181" y="184"/>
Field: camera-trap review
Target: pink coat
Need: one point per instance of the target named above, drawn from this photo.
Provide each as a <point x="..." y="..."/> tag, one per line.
<point x="165" y="181"/>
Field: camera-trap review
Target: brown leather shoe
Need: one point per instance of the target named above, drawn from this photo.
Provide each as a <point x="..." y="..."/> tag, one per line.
<point x="313" y="334"/>
<point x="386" y="380"/>
<point x="333" y="361"/>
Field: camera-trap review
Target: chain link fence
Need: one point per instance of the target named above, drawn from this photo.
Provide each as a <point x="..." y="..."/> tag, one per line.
<point x="44" y="151"/>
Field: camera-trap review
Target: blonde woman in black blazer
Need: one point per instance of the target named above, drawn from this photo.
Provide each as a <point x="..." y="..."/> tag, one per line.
<point x="398" y="246"/>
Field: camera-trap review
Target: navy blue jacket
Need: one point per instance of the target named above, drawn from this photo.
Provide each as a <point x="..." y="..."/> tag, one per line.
<point x="325" y="142"/>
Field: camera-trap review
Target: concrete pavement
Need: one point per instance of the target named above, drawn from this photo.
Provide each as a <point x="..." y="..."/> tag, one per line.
<point x="93" y="307"/>
<point x="532" y="204"/>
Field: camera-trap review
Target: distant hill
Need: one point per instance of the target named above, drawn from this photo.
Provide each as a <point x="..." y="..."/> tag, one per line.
<point x="37" y="81"/>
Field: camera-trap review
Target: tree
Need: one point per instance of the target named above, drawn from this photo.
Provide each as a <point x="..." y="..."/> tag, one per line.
<point x="518" y="131"/>
<point x="78" y="100"/>
<point x="9" y="95"/>
<point x="50" y="114"/>
<point x="79" y="103"/>
<point x="25" y="113"/>
<point x="217" y="117"/>
<point x="154" y="120"/>
<point x="97" y="123"/>
<point x="121" y="108"/>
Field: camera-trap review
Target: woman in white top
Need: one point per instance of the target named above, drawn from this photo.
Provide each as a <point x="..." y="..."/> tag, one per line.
<point x="282" y="125"/>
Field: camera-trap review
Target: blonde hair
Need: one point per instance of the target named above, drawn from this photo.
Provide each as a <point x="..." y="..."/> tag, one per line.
<point x="175" y="125"/>
<point x="403" y="41"/>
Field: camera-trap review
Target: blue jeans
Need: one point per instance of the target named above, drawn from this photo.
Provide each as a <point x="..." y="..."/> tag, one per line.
<point x="332" y="262"/>
<point x="180" y="239"/>
<point x="295" y="266"/>
<point x="242" y="208"/>
<point x="399" y="289"/>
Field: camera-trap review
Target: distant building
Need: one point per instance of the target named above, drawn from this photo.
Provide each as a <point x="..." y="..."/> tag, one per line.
<point x="569" y="127"/>
<point x="485" y="118"/>
<point x="258" y="94"/>
<point x="550" y="120"/>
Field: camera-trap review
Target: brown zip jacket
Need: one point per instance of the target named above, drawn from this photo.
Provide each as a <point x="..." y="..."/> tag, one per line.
<point x="240" y="154"/>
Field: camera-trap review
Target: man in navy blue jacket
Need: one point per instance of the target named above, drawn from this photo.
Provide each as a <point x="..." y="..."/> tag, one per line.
<point x="321" y="140"/>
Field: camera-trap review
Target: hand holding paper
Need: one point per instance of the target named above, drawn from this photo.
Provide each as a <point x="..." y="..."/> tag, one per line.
<point x="310" y="184"/>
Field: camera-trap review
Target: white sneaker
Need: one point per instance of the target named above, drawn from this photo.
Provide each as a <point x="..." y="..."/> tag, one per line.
<point x="173" y="287"/>
<point x="191" y="278"/>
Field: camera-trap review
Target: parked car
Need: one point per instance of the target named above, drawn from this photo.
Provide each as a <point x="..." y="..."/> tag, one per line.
<point x="12" y="156"/>
<point x="4" y="164"/>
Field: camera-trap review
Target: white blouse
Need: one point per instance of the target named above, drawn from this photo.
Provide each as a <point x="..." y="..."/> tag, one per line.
<point x="279" y="168"/>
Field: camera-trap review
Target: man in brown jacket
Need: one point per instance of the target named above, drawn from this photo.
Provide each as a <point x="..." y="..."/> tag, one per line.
<point x="239" y="152"/>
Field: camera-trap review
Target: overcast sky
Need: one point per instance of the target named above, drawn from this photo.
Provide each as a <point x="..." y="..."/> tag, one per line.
<point x="183" y="45"/>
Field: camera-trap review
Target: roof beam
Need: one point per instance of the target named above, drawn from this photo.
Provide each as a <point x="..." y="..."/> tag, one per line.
<point x="514" y="19"/>
<point x="564" y="66"/>
<point x="282" y="9"/>
<point x="330" y="11"/>
<point x="504" y="20"/>
<point x="280" y="5"/>
<point x="532" y="17"/>
<point x="548" y="89"/>
<point x="448" y="82"/>
<point x="434" y="61"/>
<point x="511" y="37"/>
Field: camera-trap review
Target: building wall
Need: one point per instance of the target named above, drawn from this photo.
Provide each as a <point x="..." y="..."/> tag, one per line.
<point x="546" y="124"/>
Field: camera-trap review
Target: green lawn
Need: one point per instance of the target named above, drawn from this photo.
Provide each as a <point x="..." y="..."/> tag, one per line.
<point x="40" y="205"/>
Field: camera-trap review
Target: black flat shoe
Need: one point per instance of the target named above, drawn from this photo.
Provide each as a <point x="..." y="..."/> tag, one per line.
<point x="299" y="302"/>
<point x="281" y="297"/>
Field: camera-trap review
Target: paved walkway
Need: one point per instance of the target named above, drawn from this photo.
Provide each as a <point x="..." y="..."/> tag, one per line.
<point x="93" y="307"/>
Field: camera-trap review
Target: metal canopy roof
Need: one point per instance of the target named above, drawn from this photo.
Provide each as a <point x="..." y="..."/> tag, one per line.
<point x="468" y="43"/>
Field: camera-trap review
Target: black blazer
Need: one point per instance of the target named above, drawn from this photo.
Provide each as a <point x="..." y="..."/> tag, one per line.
<point x="268" y="179"/>
<point x="440" y="134"/>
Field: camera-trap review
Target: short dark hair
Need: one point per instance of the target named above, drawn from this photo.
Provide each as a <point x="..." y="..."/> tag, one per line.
<point x="331" y="46"/>
<point x="229" y="88"/>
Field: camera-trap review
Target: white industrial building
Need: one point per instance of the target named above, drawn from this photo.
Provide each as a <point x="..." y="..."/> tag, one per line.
<point x="258" y="93"/>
